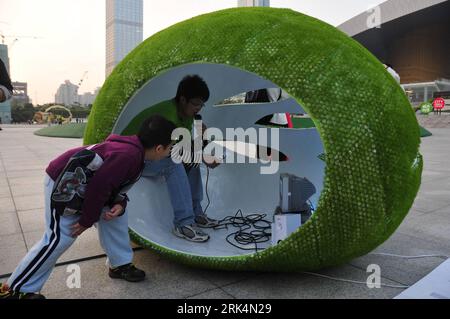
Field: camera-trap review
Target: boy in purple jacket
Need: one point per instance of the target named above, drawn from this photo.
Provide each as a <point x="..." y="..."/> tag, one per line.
<point x="120" y="162"/>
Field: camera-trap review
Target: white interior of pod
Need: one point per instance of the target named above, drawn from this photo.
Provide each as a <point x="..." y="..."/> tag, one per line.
<point x="231" y="186"/>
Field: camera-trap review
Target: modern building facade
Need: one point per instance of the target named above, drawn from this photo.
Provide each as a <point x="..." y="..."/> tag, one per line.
<point x="253" y="3"/>
<point x="88" y="98"/>
<point x="5" y="56"/>
<point x="425" y="91"/>
<point x="124" y="29"/>
<point x="20" y="93"/>
<point x="67" y="94"/>
<point x="412" y="36"/>
<point x="5" y="107"/>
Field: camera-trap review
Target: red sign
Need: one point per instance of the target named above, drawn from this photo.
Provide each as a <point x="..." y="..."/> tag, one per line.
<point x="439" y="103"/>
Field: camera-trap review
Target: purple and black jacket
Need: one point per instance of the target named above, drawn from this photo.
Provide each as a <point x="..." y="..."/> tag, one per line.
<point x="123" y="160"/>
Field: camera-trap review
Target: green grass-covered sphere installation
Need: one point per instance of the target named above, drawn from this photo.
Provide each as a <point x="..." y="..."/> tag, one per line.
<point x="368" y="128"/>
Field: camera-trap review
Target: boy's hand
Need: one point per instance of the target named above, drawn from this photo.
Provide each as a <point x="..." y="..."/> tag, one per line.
<point x="77" y="230"/>
<point x="211" y="161"/>
<point x="115" y="211"/>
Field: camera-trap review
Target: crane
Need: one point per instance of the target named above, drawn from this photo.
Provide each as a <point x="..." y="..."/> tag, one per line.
<point x="79" y="85"/>
<point x="83" y="78"/>
<point x="17" y="37"/>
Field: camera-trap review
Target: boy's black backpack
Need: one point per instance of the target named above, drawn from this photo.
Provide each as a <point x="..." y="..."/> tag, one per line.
<point x="70" y="186"/>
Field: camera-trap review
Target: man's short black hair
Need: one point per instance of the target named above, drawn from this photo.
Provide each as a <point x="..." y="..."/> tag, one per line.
<point x="192" y="87"/>
<point x="156" y="130"/>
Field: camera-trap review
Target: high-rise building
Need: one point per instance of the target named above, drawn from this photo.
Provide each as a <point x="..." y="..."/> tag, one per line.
<point x="124" y="29"/>
<point x="67" y="94"/>
<point x="20" y="93"/>
<point x="5" y="107"/>
<point x="253" y="3"/>
<point x="88" y="98"/>
<point x="410" y="37"/>
<point x="4" y="56"/>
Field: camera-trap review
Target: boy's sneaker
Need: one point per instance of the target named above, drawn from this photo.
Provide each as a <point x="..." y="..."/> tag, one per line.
<point x="128" y="272"/>
<point x="6" y="293"/>
<point x="189" y="232"/>
<point x="204" y="221"/>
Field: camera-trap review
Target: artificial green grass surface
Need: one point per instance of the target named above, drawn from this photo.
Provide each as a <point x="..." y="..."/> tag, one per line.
<point x="369" y="131"/>
<point x="71" y="130"/>
<point x="308" y="123"/>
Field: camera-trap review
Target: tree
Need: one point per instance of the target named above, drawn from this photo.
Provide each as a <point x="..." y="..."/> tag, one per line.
<point x="23" y="113"/>
<point x="79" y="111"/>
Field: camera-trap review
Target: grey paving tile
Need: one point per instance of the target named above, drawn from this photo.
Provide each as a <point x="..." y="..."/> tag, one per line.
<point x="6" y="205"/>
<point x="19" y="191"/>
<point x="29" y="202"/>
<point x="426" y="205"/>
<point x="26" y="181"/>
<point x="431" y="176"/>
<point x="26" y="173"/>
<point x="18" y="166"/>
<point x="303" y="286"/>
<point x="222" y="278"/>
<point x="213" y="294"/>
<point x="431" y="226"/>
<point x="10" y="224"/>
<point x="5" y="191"/>
<point x="12" y="249"/>
<point x="437" y="190"/>
<point x="164" y="280"/>
<point x="3" y="180"/>
<point x="32" y="220"/>
<point x="406" y="271"/>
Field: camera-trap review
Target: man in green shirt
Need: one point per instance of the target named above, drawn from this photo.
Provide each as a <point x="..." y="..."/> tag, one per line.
<point x="184" y="181"/>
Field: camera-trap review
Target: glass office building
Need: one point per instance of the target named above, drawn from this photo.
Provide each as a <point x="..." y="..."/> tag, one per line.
<point x="124" y="29"/>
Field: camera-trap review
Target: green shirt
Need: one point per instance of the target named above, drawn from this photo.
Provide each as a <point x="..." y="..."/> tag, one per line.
<point x="167" y="109"/>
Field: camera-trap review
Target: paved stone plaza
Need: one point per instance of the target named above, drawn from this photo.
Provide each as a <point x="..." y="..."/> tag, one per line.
<point x="24" y="156"/>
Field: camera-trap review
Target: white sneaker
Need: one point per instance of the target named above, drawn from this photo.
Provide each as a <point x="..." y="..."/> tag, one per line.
<point x="189" y="232"/>
<point x="204" y="221"/>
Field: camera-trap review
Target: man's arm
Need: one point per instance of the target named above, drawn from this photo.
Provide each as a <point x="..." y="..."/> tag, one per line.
<point x="210" y="161"/>
<point x="5" y="94"/>
<point x="6" y="87"/>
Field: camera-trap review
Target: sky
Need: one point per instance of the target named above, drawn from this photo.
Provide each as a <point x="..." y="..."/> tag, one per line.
<point x="62" y="39"/>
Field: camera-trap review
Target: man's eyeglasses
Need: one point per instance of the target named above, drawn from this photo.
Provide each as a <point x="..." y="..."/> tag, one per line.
<point x="201" y="105"/>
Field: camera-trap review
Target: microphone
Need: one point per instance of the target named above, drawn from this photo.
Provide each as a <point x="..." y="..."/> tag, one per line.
<point x="198" y="117"/>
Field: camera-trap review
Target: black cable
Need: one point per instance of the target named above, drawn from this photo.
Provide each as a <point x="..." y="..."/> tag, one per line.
<point x="258" y="235"/>
<point x="252" y="229"/>
<point x="206" y="189"/>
